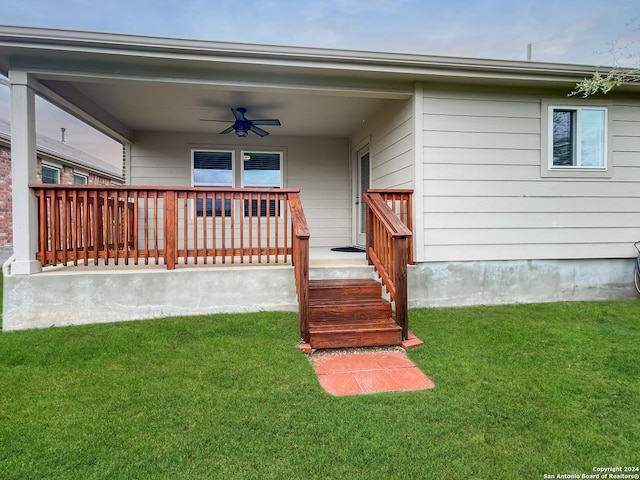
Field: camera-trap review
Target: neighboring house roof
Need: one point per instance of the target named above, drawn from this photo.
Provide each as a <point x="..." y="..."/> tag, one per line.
<point x="66" y="154"/>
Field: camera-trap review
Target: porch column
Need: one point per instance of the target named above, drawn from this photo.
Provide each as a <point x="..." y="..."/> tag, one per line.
<point x="24" y="171"/>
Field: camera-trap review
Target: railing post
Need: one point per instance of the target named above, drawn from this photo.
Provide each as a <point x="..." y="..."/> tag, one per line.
<point x="300" y="259"/>
<point x="369" y="232"/>
<point x="170" y="229"/>
<point x="400" y="281"/>
<point x="303" y="295"/>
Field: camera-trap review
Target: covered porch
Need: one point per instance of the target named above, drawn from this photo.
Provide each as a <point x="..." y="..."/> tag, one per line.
<point x="122" y="253"/>
<point x="255" y="205"/>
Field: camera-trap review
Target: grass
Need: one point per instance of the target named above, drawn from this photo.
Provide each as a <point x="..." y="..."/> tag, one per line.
<point x="520" y="391"/>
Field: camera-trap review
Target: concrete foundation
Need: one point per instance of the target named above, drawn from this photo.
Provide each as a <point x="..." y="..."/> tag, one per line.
<point x="73" y="296"/>
<point x="522" y="281"/>
<point x="59" y="298"/>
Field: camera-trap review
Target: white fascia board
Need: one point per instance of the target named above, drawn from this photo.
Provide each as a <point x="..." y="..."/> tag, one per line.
<point x="301" y="57"/>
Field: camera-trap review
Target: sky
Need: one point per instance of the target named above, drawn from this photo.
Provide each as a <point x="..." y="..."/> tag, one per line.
<point x="591" y="32"/>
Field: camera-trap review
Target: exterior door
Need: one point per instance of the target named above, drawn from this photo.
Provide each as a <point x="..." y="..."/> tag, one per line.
<point x="363" y="184"/>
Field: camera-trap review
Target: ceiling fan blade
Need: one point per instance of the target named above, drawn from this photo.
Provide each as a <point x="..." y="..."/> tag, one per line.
<point x="213" y="120"/>
<point x="239" y="113"/>
<point x="259" y="131"/>
<point x="227" y="130"/>
<point x="266" y="121"/>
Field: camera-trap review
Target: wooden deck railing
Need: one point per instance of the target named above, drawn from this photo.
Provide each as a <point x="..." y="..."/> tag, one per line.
<point x="82" y="224"/>
<point x="400" y="201"/>
<point x="388" y="247"/>
<point x="300" y="258"/>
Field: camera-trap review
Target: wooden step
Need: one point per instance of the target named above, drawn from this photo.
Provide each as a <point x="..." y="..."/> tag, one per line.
<point x="357" y="288"/>
<point x="349" y="310"/>
<point x="346" y="301"/>
<point x="382" y="332"/>
<point x="350" y="313"/>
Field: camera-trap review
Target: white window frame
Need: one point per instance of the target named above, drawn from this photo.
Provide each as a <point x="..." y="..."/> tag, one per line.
<point x="280" y="185"/>
<point x="242" y="159"/>
<point x="192" y="206"/>
<point x="80" y="175"/>
<point x="218" y="150"/>
<point x="547" y="169"/>
<point x="58" y="171"/>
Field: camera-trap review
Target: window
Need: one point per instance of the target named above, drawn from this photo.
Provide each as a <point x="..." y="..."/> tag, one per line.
<point x="50" y="174"/>
<point x="578" y="138"/>
<point x="262" y="169"/>
<point x="212" y="168"/>
<point x="209" y="212"/>
<point x="228" y="168"/>
<point x="79" y="179"/>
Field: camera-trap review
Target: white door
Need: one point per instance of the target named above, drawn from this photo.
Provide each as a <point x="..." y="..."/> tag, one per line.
<point x="363" y="183"/>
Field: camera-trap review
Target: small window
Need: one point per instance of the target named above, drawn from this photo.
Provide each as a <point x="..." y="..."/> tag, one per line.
<point x="50" y="174"/>
<point x="264" y="170"/>
<point x="79" y="179"/>
<point x="578" y="137"/>
<point x="212" y="168"/>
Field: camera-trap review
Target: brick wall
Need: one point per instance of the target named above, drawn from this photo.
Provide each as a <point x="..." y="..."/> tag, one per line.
<point x="6" y="208"/>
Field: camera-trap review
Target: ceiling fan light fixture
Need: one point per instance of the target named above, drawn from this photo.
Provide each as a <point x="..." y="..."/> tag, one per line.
<point x="242" y="131"/>
<point x="242" y="125"/>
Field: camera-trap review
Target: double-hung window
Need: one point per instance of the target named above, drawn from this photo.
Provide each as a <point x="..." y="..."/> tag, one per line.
<point x="577" y="138"/>
<point x="50" y="174"/>
<point x="264" y="170"/>
<point x="212" y="168"/>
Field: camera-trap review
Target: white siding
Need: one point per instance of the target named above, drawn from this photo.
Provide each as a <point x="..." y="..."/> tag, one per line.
<point x="318" y="166"/>
<point x="391" y="145"/>
<point x="485" y="197"/>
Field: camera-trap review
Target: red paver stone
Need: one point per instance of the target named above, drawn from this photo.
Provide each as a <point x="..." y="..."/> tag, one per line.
<point x="358" y="373"/>
<point x="375" y="381"/>
<point x="340" y="384"/>
<point x="358" y="362"/>
<point x="393" y="360"/>
<point x="411" y="379"/>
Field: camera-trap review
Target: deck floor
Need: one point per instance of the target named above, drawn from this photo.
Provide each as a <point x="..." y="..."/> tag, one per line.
<point x="319" y="257"/>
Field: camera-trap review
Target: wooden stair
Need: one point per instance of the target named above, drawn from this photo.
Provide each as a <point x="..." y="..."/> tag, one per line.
<point x="350" y="313"/>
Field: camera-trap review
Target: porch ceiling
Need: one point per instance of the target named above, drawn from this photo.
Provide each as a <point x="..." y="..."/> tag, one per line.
<point x="149" y="105"/>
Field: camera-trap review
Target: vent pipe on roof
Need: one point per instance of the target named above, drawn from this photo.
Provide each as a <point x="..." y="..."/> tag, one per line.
<point x="62" y="130"/>
<point x="528" y="52"/>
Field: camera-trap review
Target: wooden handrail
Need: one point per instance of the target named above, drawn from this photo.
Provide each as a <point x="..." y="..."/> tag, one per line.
<point x="388" y="240"/>
<point x="300" y="259"/>
<point x="82" y="223"/>
<point x="401" y="203"/>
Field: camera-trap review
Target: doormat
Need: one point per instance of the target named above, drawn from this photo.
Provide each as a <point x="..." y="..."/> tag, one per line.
<point x="348" y="249"/>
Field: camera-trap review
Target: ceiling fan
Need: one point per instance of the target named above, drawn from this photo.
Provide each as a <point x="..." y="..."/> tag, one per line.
<point x="243" y="125"/>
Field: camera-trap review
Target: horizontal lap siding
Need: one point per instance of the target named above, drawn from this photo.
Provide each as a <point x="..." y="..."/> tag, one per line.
<point x="318" y="166"/>
<point x="392" y="146"/>
<point x="485" y="199"/>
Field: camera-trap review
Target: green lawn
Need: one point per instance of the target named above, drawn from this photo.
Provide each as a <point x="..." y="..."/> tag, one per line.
<point x="520" y="391"/>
